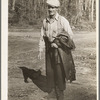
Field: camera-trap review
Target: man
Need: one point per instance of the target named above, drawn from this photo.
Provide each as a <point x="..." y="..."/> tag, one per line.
<point x="56" y="37"/>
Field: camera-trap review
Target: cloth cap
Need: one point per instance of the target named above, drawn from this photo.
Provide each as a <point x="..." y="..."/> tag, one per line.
<point x="54" y="3"/>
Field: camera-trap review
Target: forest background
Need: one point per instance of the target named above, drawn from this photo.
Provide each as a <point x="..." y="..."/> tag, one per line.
<point x="29" y="14"/>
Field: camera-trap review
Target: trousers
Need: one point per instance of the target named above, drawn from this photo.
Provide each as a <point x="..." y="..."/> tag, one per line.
<point x="56" y="93"/>
<point x="59" y="93"/>
<point x="59" y="82"/>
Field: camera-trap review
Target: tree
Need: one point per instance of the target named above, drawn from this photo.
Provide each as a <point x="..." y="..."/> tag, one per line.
<point x="35" y="10"/>
<point x="92" y="12"/>
<point x="13" y="5"/>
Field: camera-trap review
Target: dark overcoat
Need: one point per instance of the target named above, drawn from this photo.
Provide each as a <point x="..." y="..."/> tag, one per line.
<point x="59" y="61"/>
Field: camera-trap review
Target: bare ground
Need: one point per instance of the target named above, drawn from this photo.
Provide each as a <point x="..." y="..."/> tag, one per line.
<point x="23" y="51"/>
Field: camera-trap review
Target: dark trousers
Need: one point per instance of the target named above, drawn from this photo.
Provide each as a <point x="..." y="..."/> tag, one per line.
<point x="56" y="93"/>
<point x="59" y="93"/>
<point x="58" y="75"/>
<point x="59" y="83"/>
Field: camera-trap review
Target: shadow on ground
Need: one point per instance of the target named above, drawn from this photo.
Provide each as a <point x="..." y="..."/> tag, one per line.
<point x="36" y="78"/>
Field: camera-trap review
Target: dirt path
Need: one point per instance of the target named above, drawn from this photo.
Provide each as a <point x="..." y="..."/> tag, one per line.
<point x="23" y="51"/>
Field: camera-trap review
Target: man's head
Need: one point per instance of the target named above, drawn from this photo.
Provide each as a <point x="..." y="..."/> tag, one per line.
<point x="53" y="6"/>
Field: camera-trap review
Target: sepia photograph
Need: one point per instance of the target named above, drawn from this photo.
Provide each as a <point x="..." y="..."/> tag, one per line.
<point x="51" y="50"/>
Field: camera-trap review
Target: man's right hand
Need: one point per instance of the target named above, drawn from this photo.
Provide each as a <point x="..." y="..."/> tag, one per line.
<point x="54" y="45"/>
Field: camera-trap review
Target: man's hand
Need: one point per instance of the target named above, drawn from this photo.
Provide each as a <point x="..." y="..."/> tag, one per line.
<point x="54" y="45"/>
<point x="40" y="55"/>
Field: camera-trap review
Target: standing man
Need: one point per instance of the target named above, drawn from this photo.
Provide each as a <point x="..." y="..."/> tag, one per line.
<point x="56" y="37"/>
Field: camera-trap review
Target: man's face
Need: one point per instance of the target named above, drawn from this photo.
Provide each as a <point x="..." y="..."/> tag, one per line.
<point x="52" y="10"/>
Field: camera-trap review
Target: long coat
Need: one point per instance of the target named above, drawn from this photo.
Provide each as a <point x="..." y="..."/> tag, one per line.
<point x="59" y="62"/>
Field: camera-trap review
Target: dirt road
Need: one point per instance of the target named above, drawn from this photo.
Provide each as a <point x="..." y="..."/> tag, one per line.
<point x="23" y="51"/>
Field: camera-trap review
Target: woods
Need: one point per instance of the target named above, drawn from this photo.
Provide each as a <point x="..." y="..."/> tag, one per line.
<point x="32" y="12"/>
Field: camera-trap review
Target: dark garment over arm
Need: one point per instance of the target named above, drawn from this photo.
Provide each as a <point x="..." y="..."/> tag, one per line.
<point x="59" y="65"/>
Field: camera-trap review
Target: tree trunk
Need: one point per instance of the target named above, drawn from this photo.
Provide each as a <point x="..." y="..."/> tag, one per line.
<point x="89" y="10"/>
<point x="13" y="5"/>
<point x="92" y="12"/>
<point x="79" y="8"/>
